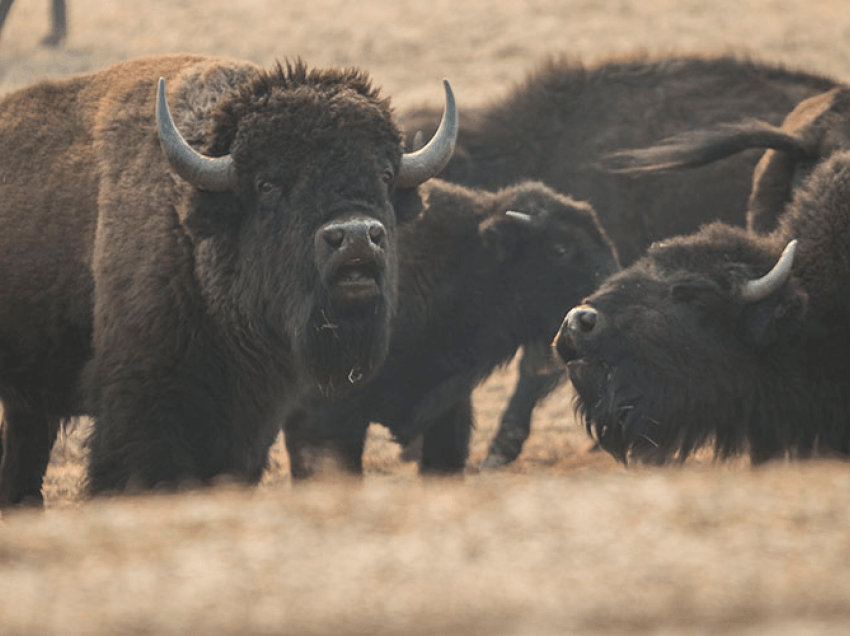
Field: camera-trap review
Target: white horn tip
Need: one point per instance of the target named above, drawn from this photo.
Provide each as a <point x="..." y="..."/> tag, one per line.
<point x="519" y="216"/>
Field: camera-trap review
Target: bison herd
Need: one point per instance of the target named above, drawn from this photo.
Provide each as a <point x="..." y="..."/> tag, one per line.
<point x="199" y="253"/>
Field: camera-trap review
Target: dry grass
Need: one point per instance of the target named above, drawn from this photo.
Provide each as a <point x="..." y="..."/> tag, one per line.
<point x="563" y="541"/>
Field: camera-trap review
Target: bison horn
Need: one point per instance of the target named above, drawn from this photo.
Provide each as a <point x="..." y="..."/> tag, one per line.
<point x="760" y="288"/>
<point x="417" y="167"/>
<point x="522" y="217"/>
<point x="215" y="174"/>
<point x="418" y="140"/>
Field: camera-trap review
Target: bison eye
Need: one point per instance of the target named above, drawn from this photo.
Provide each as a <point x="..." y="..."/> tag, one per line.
<point x="387" y="176"/>
<point x="563" y="251"/>
<point x="265" y="187"/>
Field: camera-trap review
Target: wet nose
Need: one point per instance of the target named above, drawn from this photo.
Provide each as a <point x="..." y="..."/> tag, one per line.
<point x="354" y="234"/>
<point x="581" y="320"/>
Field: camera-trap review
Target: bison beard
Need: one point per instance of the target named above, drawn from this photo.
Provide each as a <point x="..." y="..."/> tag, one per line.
<point x="635" y="413"/>
<point x="342" y="346"/>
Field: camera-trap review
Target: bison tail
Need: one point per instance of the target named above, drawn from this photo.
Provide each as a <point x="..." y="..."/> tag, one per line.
<point x="701" y="147"/>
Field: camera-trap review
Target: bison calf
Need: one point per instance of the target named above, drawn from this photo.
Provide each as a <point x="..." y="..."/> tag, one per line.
<point x="184" y="282"/>
<point x="480" y="274"/>
<point x="725" y="337"/>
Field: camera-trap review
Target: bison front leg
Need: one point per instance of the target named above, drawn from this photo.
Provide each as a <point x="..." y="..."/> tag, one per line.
<point x="28" y="437"/>
<point x="537" y="379"/>
<point x="175" y="428"/>
<point x="324" y="438"/>
<point x="445" y="443"/>
<point x="59" y="24"/>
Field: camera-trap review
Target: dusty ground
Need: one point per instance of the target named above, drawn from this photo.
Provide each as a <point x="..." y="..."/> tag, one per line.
<point x="564" y="541"/>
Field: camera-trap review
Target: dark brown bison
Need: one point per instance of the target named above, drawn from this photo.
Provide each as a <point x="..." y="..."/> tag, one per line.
<point x="58" y="21"/>
<point x="716" y="338"/>
<point x="480" y="274"/>
<point x="182" y="292"/>
<point x="558" y="124"/>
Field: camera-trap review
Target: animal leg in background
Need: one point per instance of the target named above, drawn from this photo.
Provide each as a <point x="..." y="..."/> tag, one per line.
<point x="310" y="444"/>
<point x="445" y="443"/>
<point x="537" y="379"/>
<point x="58" y="21"/>
<point x="28" y="438"/>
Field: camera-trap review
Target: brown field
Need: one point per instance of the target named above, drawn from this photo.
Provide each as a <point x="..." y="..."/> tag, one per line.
<point x="564" y="541"/>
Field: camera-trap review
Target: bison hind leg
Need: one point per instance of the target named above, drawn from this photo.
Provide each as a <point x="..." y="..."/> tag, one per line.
<point x="445" y="442"/>
<point x="536" y="381"/>
<point x="28" y="436"/>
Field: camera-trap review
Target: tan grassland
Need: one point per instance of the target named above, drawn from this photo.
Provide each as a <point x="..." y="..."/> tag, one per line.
<point x="565" y="541"/>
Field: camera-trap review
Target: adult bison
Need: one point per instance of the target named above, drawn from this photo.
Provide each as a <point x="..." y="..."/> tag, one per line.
<point x="717" y="338"/>
<point x="558" y="124"/>
<point x="480" y="274"/>
<point x="181" y="292"/>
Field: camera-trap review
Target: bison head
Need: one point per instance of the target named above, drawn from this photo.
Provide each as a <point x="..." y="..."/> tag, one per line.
<point x="292" y="218"/>
<point x="679" y="348"/>
<point x="546" y="252"/>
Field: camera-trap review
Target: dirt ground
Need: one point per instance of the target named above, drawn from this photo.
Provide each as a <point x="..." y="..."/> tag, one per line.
<point x="564" y="541"/>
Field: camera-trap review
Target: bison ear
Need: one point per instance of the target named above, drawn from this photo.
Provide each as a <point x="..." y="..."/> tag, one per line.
<point x="764" y="321"/>
<point x="503" y="235"/>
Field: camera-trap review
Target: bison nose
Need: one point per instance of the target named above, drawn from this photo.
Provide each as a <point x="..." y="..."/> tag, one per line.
<point x="581" y="320"/>
<point x="579" y="323"/>
<point x="363" y="232"/>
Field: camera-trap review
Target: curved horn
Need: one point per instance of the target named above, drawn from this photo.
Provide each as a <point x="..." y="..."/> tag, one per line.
<point x="522" y="217"/>
<point x="760" y="288"/>
<point x="417" y="167"/>
<point x="418" y="140"/>
<point x="207" y="173"/>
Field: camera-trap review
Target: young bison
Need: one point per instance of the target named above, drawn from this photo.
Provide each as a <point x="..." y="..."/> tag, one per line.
<point x="480" y="274"/>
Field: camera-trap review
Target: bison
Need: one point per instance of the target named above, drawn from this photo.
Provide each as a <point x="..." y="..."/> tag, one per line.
<point x="178" y="281"/>
<point x="58" y="21"/>
<point x="564" y="118"/>
<point x="725" y="337"/>
<point x="480" y="274"/>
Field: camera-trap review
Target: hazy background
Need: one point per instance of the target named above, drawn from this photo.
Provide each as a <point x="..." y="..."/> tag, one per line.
<point x="564" y="540"/>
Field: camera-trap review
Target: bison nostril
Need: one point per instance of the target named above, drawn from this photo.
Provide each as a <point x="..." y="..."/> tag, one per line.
<point x="582" y="319"/>
<point x="334" y="236"/>
<point x="377" y="233"/>
<point x="587" y="320"/>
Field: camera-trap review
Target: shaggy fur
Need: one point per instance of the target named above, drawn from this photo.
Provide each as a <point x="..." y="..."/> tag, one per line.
<point x="184" y="321"/>
<point x="474" y="285"/>
<point x="676" y="359"/>
<point x="558" y="123"/>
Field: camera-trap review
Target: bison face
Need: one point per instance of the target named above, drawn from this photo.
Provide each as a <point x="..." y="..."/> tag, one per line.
<point x="678" y="349"/>
<point x="292" y="221"/>
<point x="550" y="252"/>
<point x="303" y="255"/>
